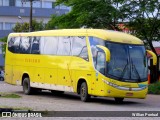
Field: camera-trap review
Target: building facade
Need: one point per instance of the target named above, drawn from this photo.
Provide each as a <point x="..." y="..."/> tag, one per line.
<point x="1" y="56"/>
<point x="13" y="11"/>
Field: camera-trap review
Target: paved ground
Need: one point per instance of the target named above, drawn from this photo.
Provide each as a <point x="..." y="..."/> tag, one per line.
<point x="71" y="102"/>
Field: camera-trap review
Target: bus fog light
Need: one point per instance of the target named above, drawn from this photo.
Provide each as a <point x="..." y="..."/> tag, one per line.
<point x="109" y="91"/>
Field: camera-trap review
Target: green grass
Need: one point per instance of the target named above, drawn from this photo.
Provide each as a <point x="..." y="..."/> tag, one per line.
<point x="15" y="108"/>
<point x="9" y="95"/>
<point x="154" y="88"/>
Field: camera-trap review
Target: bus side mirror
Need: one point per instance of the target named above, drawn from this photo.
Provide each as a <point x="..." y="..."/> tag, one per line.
<point x="106" y="51"/>
<point x="153" y="56"/>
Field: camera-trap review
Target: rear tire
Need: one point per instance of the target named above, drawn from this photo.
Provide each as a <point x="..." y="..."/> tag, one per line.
<point x="119" y="100"/>
<point x="84" y="92"/>
<point x="26" y="87"/>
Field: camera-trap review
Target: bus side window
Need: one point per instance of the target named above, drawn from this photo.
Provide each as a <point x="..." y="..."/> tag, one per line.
<point x="100" y="62"/>
<point x="48" y="45"/>
<point x="79" y="47"/>
<point x="64" y="46"/>
<point x="25" y="45"/>
<point x="97" y="54"/>
<point x="13" y="44"/>
<point x="35" y="45"/>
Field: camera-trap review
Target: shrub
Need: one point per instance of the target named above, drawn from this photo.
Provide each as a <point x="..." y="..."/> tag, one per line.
<point x="154" y="88"/>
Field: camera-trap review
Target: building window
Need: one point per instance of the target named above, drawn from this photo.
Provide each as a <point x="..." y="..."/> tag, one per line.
<point x="1" y="3"/>
<point x="22" y="10"/>
<point x="60" y="7"/>
<point x="36" y="4"/>
<point x="5" y="2"/>
<point x="26" y="4"/>
<point x="1" y="26"/>
<point x="11" y="2"/>
<point x="46" y="4"/>
<point x="9" y="26"/>
<point x="19" y="3"/>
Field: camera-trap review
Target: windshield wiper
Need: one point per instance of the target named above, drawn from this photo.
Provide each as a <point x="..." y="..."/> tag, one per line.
<point x="124" y="70"/>
<point x="132" y="65"/>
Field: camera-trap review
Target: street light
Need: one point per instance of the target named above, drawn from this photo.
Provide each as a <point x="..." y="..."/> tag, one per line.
<point x="19" y="17"/>
<point x="30" y="21"/>
<point x="30" y="18"/>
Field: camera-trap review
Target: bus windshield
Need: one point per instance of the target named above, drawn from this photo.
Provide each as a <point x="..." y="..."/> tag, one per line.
<point x="128" y="62"/>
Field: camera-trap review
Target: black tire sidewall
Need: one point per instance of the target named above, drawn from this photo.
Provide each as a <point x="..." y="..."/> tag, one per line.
<point x="27" y="91"/>
<point x="86" y="97"/>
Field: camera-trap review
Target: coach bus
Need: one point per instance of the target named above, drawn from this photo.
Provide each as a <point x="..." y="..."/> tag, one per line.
<point x="90" y="62"/>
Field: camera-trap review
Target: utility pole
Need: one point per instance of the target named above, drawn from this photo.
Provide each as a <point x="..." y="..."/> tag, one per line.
<point x="30" y="20"/>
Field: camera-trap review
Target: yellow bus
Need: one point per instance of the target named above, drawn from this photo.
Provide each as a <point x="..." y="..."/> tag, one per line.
<point x="90" y="62"/>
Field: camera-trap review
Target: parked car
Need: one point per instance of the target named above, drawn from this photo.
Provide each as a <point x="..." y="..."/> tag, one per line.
<point x="1" y="75"/>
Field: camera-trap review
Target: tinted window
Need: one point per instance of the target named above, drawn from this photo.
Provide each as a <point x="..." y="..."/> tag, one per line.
<point x="93" y="42"/>
<point x="79" y="47"/>
<point x="48" y="45"/>
<point x="14" y="44"/>
<point x="64" y="45"/>
<point x="100" y="62"/>
<point x="25" y="45"/>
<point x="35" y="45"/>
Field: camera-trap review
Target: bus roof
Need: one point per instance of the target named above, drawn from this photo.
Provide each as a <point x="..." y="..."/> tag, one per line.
<point x="109" y="35"/>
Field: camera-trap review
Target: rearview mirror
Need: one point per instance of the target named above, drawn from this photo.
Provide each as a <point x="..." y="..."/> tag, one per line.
<point x="153" y="56"/>
<point x="106" y="51"/>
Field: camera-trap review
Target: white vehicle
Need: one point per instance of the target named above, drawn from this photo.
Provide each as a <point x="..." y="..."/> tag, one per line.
<point x="1" y="75"/>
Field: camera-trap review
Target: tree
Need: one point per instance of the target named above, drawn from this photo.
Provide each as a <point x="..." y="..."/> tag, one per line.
<point x="141" y="16"/>
<point x="89" y="14"/>
<point x="144" y="18"/>
<point x="24" y="27"/>
<point x="19" y="27"/>
<point x="3" y="40"/>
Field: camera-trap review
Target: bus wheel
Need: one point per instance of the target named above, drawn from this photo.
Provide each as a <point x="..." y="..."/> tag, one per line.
<point x="118" y="100"/>
<point x="84" y="92"/>
<point x="26" y="86"/>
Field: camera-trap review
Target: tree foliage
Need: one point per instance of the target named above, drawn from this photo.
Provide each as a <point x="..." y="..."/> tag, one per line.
<point x="144" y="18"/>
<point x="3" y="40"/>
<point x="24" y="27"/>
<point x="89" y="14"/>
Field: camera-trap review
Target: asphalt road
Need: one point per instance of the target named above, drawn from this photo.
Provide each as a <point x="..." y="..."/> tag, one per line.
<point x="45" y="101"/>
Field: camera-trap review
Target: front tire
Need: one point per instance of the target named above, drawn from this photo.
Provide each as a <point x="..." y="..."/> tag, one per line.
<point x="84" y="92"/>
<point x="26" y="87"/>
